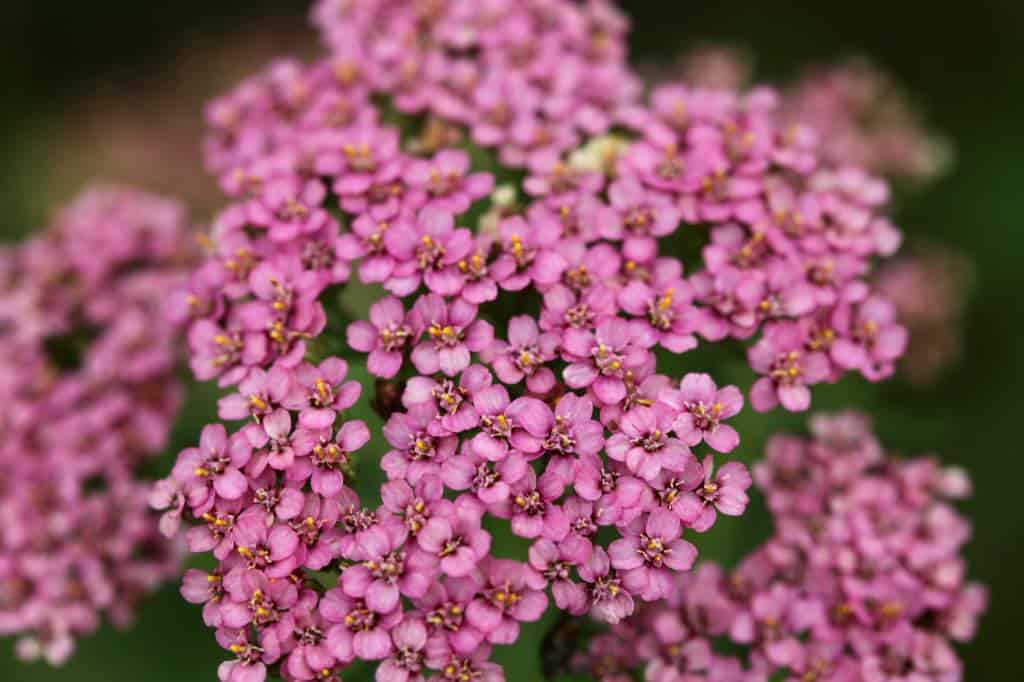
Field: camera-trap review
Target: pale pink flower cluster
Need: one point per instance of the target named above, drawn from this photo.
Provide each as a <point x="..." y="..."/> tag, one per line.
<point x="929" y="286"/>
<point x="860" y="113"/>
<point x="865" y="119"/>
<point x="863" y="579"/>
<point x="89" y="392"/>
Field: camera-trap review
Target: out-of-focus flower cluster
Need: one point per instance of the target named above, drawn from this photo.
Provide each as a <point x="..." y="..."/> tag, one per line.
<point x="929" y="287"/>
<point x="860" y="114"/>
<point x="456" y="155"/>
<point x="863" y="579"/>
<point x="865" y="119"/>
<point x="89" y="394"/>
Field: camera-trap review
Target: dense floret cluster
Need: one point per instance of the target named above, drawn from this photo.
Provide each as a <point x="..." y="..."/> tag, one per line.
<point x="862" y="580"/>
<point x="930" y="287"/>
<point x="523" y="274"/>
<point x="860" y="114"/>
<point x="865" y="119"/>
<point x="89" y="392"/>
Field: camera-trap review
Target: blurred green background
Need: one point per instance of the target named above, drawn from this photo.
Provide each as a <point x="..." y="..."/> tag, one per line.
<point x="113" y="88"/>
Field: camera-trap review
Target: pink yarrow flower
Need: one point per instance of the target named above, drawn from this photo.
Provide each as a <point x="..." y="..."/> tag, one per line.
<point x="702" y="409"/>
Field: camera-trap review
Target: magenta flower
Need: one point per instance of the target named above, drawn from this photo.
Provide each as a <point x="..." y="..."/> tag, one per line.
<point x="783" y="294"/>
<point x="656" y="161"/>
<point x="583" y="519"/>
<point x="316" y="527"/>
<point x="310" y="657"/>
<point x="451" y="403"/>
<point x="511" y="593"/>
<point x="565" y="309"/>
<point x="574" y="433"/>
<point x="489" y="480"/>
<point x="702" y="408"/>
<point x="644" y="445"/>
<point x="608" y="599"/>
<point x="673" y="491"/>
<point x="271" y="549"/>
<point x="456" y="540"/>
<point x="787" y="367"/>
<point x="665" y="314"/>
<point x="255" y="600"/>
<point x="406" y="664"/>
<point x="381" y="196"/>
<point x="324" y="392"/>
<point x="648" y="551"/>
<point x="769" y="612"/>
<point x="445" y="182"/>
<point x="679" y="653"/>
<point x="283" y="287"/>
<point x="283" y="503"/>
<point x="199" y="587"/>
<point x="724" y="491"/>
<point x="416" y="505"/>
<point x="248" y="666"/>
<point x="259" y="394"/>
<point x="552" y="178"/>
<point x="520" y="424"/>
<point x="224" y="354"/>
<point x="385" y="337"/>
<point x="645" y="215"/>
<point x="730" y="302"/>
<point x="215" y="466"/>
<point x="869" y="340"/>
<point x="444" y="607"/>
<point x="288" y="207"/>
<point x="524" y="355"/>
<point x="273" y="440"/>
<point x="170" y="495"/>
<point x="215" y="534"/>
<point x="415" y="452"/>
<point x="737" y="247"/>
<point x="716" y="192"/>
<point x="453" y="332"/>
<point x="359" y="158"/>
<point x="602" y="358"/>
<point x="357" y="631"/>
<point x="366" y="243"/>
<point x="864" y="568"/>
<point x="478" y="286"/>
<point x="321" y="460"/>
<point x="643" y="388"/>
<point x="454" y="666"/>
<point x="527" y="256"/>
<point x="620" y="497"/>
<point x="386" y="571"/>
<point x="428" y="250"/>
<point x="577" y="217"/>
<point x="532" y="508"/>
<point x="554" y="562"/>
<point x="497" y="104"/>
<point x="832" y="277"/>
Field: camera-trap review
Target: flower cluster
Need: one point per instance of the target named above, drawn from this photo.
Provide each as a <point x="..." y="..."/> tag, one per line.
<point x="534" y="295"/>
<point x="791" y="237"/>
<point x="715" y="66"/>
<point x="865" y="119"/>
<point x="89" y="394"/>
<point x="929" y="287"/>
<point x="529" y="80"/>
<point x="859" y="112"/>
<point x="863" y="578"/>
